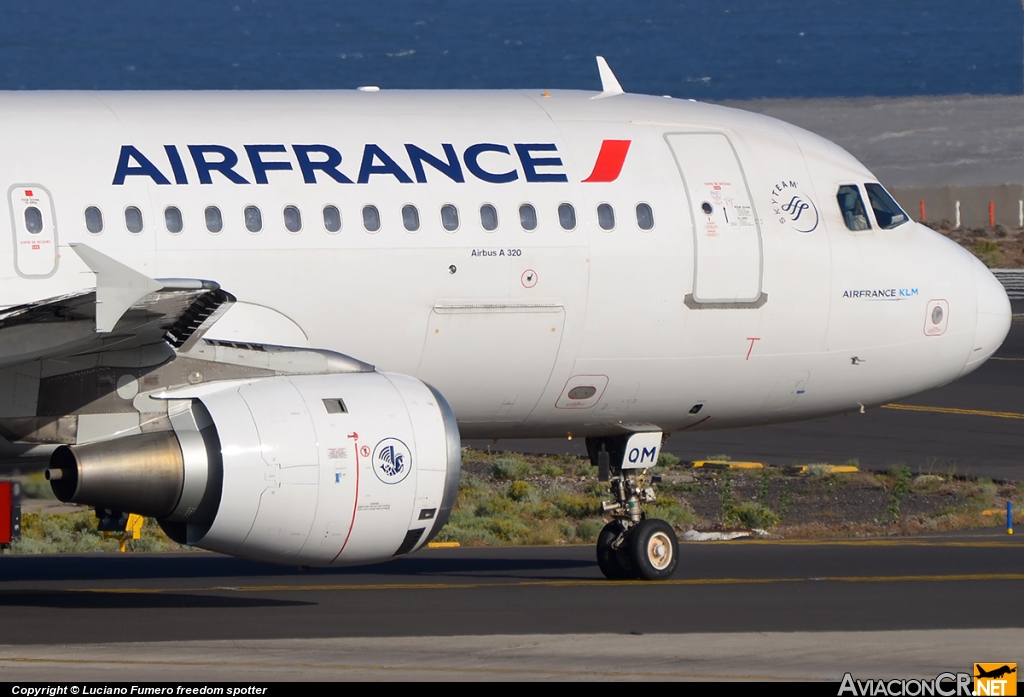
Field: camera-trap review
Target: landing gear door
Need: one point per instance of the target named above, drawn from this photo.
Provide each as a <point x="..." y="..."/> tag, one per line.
<point x="727" y="236"/>
<point x="34" y="227"/>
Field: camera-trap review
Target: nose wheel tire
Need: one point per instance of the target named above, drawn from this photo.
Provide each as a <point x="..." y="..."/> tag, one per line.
<point x="653" y="550"/>
<point x="614" y="563"/>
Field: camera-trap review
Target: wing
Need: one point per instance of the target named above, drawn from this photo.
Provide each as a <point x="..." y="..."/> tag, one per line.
<point x="62" y="359"/>
<point x="126" y="310"/>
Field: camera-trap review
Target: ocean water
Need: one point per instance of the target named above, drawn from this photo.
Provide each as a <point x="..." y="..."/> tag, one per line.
<point x="705" y="49"/>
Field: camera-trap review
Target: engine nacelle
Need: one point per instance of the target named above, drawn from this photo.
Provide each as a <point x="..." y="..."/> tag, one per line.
<point x="316" y="470"/>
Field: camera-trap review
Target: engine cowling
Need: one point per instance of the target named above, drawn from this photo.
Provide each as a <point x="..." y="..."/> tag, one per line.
<point x="316" y="470"/>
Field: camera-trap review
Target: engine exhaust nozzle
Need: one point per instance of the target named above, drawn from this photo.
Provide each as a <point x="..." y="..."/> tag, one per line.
<point x="142" y="474"/>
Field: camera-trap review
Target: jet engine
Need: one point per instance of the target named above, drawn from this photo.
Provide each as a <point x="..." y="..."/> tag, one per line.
<point x="312" y="470"/>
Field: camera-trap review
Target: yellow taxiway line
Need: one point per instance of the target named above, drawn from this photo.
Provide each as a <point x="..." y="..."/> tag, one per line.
<point x="961" y="412"/>
<point x="573" y="583"/>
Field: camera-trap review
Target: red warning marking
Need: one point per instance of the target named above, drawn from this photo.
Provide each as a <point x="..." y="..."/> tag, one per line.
<point x="365" y="451"/>
<point x="28" y="192"/>
<point x="609" y="161"/>
<point x="751" y="339"/>
<point x="355" y="502"/>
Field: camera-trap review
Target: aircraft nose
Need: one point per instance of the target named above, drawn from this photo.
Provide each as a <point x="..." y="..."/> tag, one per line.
<point x="994" y="316"/>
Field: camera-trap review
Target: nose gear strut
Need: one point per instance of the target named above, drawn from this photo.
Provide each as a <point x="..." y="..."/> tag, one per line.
<point x="632" y="545"/>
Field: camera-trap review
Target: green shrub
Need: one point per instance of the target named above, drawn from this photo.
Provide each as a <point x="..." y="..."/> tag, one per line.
<point x="508" y="529"/>
<point x="987" y="486"/>
<point x="499" y="505"/>
<point x="667" y="460"/>
<point x="755" y="515"/>
<point x="549" y="470"/>
<point x="548" y="532"/>
<point x="671" y="512"/>
<point x="71" y="533"/>
<point x="473" y="491"/>
<point x="466" y="529"/>
<point x="522" y="491"/>
<point x="588" y="530"/>
<point x="899" y="475"/>
<point x="577" y="506"/>
<point x="508" y="468"/>
<point x="725" y="497"/>
<point x="988" y="252"/>
<point x="35" y="486"/>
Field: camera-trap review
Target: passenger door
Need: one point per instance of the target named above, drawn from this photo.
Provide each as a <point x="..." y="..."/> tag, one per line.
<point x="727" y="235"/>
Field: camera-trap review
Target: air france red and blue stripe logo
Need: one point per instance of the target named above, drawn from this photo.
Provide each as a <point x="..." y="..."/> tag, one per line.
<point x="494" y="163"/>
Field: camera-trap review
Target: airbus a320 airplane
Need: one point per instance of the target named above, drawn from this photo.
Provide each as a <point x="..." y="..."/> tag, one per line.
<point x="198" y="287"/>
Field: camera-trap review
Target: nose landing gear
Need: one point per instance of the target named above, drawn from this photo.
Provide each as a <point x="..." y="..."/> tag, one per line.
<point x="632" y="546"/>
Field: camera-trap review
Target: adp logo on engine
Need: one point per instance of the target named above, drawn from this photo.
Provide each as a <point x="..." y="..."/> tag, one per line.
<point x="392" y="461"/>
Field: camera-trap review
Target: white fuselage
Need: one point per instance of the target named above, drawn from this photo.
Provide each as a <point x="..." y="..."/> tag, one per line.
<point x="768" y="308"/>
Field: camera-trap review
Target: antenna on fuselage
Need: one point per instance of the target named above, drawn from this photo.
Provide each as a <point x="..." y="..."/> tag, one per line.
<point x="610" y="86"/>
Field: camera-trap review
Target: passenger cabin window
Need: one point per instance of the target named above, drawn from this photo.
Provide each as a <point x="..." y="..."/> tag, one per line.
<point x="888" y="213"/>
<point x="567" y="216"/>
<point x="449" y="217"/>
<point x="371" y="218"/>
<point x="214" y="220"/>
<point x="488" y="217"/>
<point x="133" y="220"/>
<point x="93" y="220"/>
<point x="292" y="219"/>
<point x="33" y="220"/>
<point x="644" y="217"/>
<point x="411" y="218"/>
<point x="528" y="217"/>
<point x="606" y="217"/>
<point x="852" y="207"/>
<point x="332" y="219"/>
<point x="253" y="219"/>
<point x="172" y="220"/>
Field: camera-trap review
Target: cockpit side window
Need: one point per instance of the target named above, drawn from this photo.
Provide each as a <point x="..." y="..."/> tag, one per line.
<point x="888" y="213"/>
<point x="852" y="207"/>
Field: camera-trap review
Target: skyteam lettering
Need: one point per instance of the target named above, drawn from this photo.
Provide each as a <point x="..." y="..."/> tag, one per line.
<point x="318" y="163"/>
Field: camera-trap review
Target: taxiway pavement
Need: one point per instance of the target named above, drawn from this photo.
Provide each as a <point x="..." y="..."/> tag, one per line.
<point x="933" y="599"/>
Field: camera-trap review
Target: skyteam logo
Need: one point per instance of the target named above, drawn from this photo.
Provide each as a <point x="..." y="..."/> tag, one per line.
<point x="392" y="461"/>
<point x="794" y="207"/>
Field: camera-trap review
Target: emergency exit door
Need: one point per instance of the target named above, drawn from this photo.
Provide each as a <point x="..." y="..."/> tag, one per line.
<point x="727" y="235"/>
<point x="34" y="228"/>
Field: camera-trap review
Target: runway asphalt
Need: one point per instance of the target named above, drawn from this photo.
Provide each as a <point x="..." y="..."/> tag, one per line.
<point x="974" y="426"/>
<point x="62" y="607"/>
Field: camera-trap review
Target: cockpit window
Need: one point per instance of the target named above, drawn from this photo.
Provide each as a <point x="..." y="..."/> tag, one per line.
<point x="852" y="207"/>
<point x="888" y="213"/>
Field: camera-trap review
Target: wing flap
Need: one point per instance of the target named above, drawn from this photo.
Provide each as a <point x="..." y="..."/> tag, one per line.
<point x="126" y="310"/>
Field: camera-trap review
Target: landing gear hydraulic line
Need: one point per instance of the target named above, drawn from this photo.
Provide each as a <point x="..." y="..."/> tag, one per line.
<point x="632" y="546"/>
